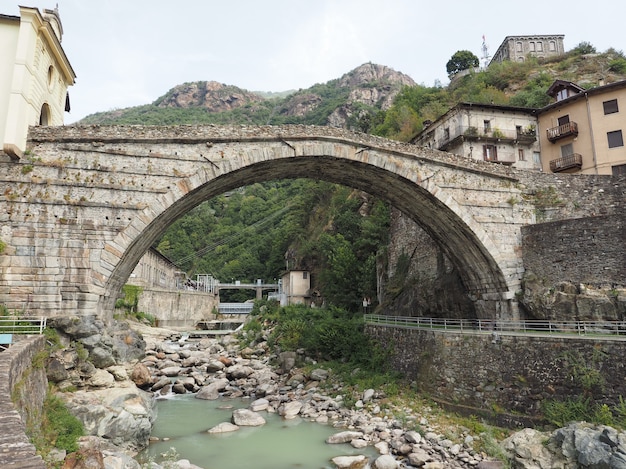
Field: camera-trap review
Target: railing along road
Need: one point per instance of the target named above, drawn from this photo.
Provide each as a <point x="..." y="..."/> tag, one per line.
<point x="525" y="327"/>
<point x="22" y="324"/>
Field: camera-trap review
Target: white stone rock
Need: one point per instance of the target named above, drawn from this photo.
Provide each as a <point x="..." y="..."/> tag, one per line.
<point x="368" y="394"/>
<point x="101" y="379"/>
<point x="291" y="409"/>
<point x="413" y="437"/>
<point x="382" y="447"/>
<point x="386" y="461"/>
<point x="350" y="462"/>
<point x="247" y="418"/>
<point x="419" y="457"/>
<point x="223" y="427"/>
<point x="259" y="405"/>
<point x="344" y="437"/>
<point x="358" y="443"/>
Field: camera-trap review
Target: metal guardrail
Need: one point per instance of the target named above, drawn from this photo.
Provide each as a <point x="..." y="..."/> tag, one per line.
<point x="572" y="328"/>
<point x="22" y="324"/>
<point x="235" y="308"/>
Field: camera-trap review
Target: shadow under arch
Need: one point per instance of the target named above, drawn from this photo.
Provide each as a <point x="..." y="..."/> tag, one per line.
<point x="464" y="242"/>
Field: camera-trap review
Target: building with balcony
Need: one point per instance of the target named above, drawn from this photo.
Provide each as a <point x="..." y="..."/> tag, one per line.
<point x="489" y="132"/>
<point x="518" y="48"/>
<point x="35" y="76"/>
<point x="582" y="131"/>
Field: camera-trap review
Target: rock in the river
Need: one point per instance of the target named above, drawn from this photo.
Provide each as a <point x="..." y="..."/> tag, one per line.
<point x="350" y="462"/>
<point x="290" y="409"/>
<point x="223" y="427"/>
<point x="212" y="390"/>
<point x="247" y="418"/>
<point x="344" y="437"/>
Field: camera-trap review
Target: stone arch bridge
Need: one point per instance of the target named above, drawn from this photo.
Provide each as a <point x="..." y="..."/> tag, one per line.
<point x="86" y="202"/>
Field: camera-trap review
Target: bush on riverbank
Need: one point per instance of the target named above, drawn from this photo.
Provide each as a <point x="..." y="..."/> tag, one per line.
<point x="325" y="334"/>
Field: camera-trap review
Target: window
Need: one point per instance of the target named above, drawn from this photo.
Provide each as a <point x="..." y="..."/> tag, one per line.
<point x="567" y="150"/>
<point x="615" y="139"/>
<point x="487" y="126"/>
<point x="552" y="46"/>
<point x="446" y="133"/>
<point x="610" y="107"/>
<point x="520" y="154"/>
<point x="619" y="170"/>
<point x="563" y="119"/>
<point x="532" y="46"/>
<point x="519" y="47"/>
<point x="490" y="153"/>
<point x="305" y="275"/>
<point x="540" y="46"/>
<point x="536" y="157"/>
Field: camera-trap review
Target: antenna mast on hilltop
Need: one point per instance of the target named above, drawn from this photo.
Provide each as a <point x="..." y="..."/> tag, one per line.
<point x="486" y="55"/>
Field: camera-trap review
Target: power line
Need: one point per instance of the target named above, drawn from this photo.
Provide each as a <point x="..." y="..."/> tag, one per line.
<point x="211" y="247"/>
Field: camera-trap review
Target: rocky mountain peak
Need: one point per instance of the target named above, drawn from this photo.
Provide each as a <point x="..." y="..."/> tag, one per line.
<point x="371" y="74"/>
<point x="214" y="96"/>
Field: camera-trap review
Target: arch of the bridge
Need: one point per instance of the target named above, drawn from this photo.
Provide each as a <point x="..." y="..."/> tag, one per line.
<point x="463" y="240"/>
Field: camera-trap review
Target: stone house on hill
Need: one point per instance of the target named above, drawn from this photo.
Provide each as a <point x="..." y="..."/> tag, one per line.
<point x="517" y="48"/>
<point x="35" y="76"/>
<point x="489" y="132"/>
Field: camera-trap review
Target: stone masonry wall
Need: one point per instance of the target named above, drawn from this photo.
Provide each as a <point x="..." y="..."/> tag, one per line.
<point x="177" y="308"/>
<point x="27" y="385"/>
<point x="584" y="250"/>
<point x="511" y="373"/>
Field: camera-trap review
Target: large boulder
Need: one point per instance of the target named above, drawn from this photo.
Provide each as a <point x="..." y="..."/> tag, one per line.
<point x="577" y="445"/>
<point x="122" y="416"/>
<point x="212" y="390"/>
<point x="247" y="418"/>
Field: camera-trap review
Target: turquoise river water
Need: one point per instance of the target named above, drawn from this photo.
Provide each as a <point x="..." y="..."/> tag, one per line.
<point x="280" y="444"/>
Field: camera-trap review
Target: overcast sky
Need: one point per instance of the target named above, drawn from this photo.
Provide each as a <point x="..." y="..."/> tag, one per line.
<point x="130" y="52"/>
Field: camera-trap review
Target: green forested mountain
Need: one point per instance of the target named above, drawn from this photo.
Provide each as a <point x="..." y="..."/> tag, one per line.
<point x="335" y="232"/>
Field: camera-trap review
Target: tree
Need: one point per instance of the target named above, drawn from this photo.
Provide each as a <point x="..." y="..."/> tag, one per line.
<point x="461" y="60"/>
<point x="583" y="48"/>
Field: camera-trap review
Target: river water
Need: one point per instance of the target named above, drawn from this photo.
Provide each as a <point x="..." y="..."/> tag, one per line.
<point x="280" y="444"/>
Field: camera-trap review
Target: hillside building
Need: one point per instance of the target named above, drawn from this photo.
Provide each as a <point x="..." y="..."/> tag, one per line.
<point x="518" y="48"/>
<point x="583" y="130"/>
<point x="35" y="76"/>
<point x="296" y="288"/>
<point x="489" y="132"/>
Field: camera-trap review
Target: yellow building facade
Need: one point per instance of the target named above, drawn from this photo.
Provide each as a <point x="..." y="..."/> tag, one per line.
<point x="35" y="76"/>
<point x="583" y="131"/>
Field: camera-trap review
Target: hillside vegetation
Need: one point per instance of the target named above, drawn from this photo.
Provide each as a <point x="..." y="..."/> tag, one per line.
<point x="340" y="235"/>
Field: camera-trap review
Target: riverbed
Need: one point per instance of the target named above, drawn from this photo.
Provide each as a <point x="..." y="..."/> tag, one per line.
<point x="183" y="421"/>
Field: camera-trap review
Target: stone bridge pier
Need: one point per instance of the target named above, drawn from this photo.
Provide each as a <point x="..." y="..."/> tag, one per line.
<point x="86" y="202"/>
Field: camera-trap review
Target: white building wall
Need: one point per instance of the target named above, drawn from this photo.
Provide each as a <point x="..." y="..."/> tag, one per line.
<point x="35" y="75"/>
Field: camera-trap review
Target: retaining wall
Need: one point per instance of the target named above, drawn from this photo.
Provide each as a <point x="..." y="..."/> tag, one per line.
<point x="23" y="388"/>
<point x="177" y="308"/>
<point x="585" y="250"/>
<point x="509" y="373"/>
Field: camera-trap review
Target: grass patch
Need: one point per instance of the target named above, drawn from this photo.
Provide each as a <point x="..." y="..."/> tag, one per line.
<point x="58" y="428"/>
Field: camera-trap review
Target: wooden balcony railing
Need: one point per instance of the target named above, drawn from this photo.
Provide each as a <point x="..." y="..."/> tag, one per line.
<point x="573" y="161"/>
<point x="569" y="129"/>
